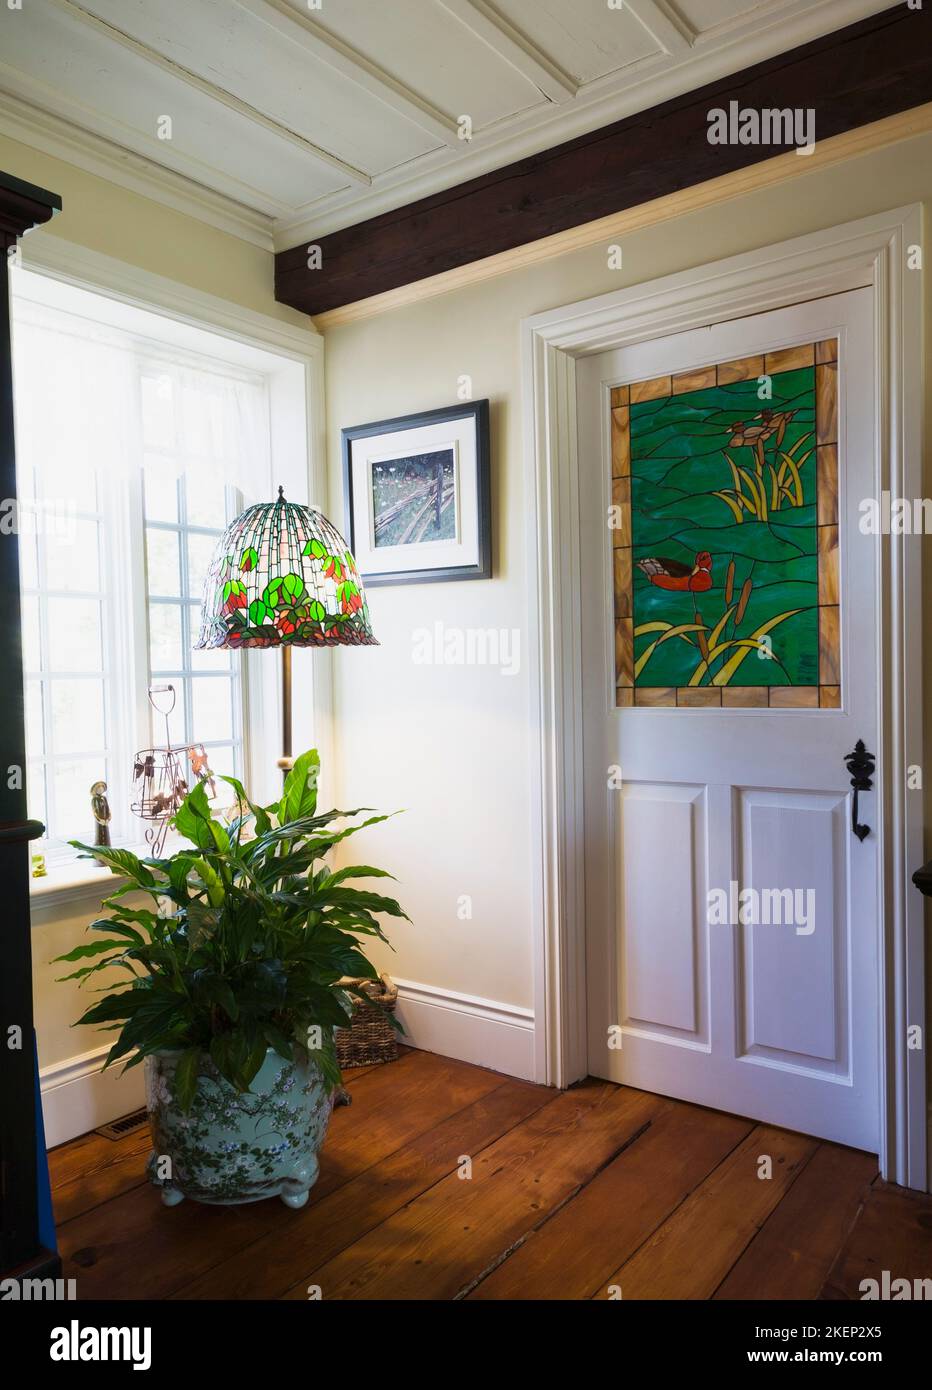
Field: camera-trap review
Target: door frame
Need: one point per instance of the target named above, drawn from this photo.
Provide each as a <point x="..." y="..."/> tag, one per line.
<point x="871" y="252"/>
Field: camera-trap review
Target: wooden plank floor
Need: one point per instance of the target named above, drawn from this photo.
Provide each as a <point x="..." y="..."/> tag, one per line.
<point x="444" y="1181"/>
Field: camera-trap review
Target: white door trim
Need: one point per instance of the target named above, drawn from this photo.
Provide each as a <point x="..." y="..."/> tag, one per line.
<point x="870" y="252"/>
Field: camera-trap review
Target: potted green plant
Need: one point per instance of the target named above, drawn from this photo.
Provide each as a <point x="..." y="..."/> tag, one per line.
<point x="234" y="988"/>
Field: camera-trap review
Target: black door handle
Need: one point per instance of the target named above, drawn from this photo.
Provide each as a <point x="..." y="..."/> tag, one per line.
<point x="860" y="764"/>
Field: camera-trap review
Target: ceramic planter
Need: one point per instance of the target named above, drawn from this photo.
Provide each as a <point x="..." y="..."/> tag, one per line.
<point x="230" y="1147"/>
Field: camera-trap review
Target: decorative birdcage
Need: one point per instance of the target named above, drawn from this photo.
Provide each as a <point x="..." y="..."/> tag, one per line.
<point x="160" y="776"/>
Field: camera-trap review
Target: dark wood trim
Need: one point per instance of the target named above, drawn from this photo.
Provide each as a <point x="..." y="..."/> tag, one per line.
<point x="23" y="205"/>
<point x="21" y="1236"/>
<point x="861" y="74"/>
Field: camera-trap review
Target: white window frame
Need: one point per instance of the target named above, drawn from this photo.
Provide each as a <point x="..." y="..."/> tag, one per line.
<point x="298" y="462"/>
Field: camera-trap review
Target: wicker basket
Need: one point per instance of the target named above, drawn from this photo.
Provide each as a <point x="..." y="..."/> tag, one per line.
<point x="371" y="1036"/>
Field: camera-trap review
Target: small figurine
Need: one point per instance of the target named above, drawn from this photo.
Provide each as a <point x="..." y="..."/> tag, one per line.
<point x="100" y="807"/>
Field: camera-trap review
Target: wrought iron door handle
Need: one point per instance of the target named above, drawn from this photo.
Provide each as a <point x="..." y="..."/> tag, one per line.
<point x="860" y="764"/>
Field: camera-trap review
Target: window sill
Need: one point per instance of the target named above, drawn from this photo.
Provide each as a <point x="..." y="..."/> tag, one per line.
<point x="73" y="881"/>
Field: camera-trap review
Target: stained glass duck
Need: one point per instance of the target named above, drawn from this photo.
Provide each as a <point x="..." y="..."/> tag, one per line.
<point x="673" y="574"/>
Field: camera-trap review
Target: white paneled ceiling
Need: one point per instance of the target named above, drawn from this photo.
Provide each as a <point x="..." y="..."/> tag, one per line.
<point x="291" y="118"/>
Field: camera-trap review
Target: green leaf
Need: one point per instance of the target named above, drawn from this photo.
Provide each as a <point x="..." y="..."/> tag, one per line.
<point x="353" y="871"/>
<point x="262" y="818"/>
<point x="276" y="1039"/>
<point x="92" y="948"/>
<point x="119" y="929"/>
<point x="299" y="794"/>
<point x="210" y="879"/>
<point x="194" y="821"/>
<point x="186" y="1074"/>
<point x="119" y="861"/>
<point x="355" y="897"/>
<point x="202" y="923"/>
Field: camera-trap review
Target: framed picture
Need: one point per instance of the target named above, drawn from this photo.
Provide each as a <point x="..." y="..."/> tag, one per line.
<point x="417" y="496"/>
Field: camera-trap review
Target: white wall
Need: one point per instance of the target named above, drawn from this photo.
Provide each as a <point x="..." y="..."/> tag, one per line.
<point x="452" y="745"/>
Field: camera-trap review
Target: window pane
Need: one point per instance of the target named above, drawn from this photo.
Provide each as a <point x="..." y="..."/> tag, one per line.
<point x="78" y="722"/>
<point x="205" y="494"/>
<point x="72" y="557"/>
<point x="165" y="652"/>
<point x="72" y="780"/>
<point x="32" y="661"/>
<point x="163" y="564"/>
<point x="200" y="553"/>
<point x="177" y="728"/>
<point x="28" y="566"/>
<point x="35" y="735"/>
<point x="35" y="792"/>
<point x="213" y="658"/>
<point x="213" y="709"/>
<point x="161" y="491"/>
<point x="67" y="481"/>
<point x="74" y="634"/>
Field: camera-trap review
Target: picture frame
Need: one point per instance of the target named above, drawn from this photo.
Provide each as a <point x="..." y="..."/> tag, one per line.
<point x="417" y="496"/>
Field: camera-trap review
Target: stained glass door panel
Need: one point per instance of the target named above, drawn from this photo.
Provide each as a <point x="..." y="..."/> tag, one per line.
<point x="725" y="534"/>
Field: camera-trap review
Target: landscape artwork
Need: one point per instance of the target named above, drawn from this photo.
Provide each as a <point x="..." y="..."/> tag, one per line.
<point x="725" y="547"/>
<point x="414" y="498"/>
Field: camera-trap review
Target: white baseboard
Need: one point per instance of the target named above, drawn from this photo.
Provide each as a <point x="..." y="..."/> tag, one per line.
<point x="481" y="1031"/>
<point x="77" y="1096"/>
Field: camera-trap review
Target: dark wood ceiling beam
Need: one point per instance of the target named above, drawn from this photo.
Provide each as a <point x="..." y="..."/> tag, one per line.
<point x="863" y="73"/>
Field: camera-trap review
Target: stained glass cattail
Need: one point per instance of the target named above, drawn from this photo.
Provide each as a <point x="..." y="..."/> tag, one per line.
<point x="746" y="588"/>
<point x="729" y="583"/>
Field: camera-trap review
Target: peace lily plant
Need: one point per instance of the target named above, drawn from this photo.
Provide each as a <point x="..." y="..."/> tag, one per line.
<point x="234" y="987"/>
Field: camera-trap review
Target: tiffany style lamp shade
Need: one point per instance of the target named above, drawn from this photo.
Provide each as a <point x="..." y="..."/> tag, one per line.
<point x="282" y="576"/>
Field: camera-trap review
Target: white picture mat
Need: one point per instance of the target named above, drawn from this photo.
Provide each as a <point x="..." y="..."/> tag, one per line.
<point x="458" y="434"/>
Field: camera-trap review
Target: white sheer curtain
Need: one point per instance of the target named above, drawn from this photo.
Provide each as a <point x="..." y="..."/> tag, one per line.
<point x="75" y="399"/>
<point x="79" y="387"/>
<point x="97" y="406"/>
<point x="197" y="419"/>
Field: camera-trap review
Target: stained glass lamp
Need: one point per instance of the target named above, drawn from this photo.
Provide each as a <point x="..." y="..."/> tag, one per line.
<point x="283" y="576"/>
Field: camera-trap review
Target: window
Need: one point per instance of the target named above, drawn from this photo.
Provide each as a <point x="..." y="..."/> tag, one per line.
<point x="65" y="617"/>
<point x="133" y="455"/>
<point x="186" y="505"/>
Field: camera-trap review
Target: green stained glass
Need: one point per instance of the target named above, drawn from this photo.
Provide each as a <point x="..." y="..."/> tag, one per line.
<point x="281" y="574"/>
<point x="724" y="535"/>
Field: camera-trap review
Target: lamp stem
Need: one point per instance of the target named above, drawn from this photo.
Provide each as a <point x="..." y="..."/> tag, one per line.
<point x="286" y="761"/>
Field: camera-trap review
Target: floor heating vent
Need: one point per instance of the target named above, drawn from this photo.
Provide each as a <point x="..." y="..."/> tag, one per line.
<point x="126" y="1124"/>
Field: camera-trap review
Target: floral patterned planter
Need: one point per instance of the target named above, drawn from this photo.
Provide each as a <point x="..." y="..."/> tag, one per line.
<point x="234" y="1147"/>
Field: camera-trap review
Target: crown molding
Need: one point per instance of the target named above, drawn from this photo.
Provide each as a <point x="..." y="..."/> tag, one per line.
<point x="56" y="136"/>
<point x="131" y="284"/>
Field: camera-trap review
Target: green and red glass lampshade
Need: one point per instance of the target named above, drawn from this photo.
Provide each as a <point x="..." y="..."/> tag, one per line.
<point x="283" y="576"/>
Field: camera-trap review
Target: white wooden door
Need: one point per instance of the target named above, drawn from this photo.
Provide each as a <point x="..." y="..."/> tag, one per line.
<point x="728" y="633"/>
